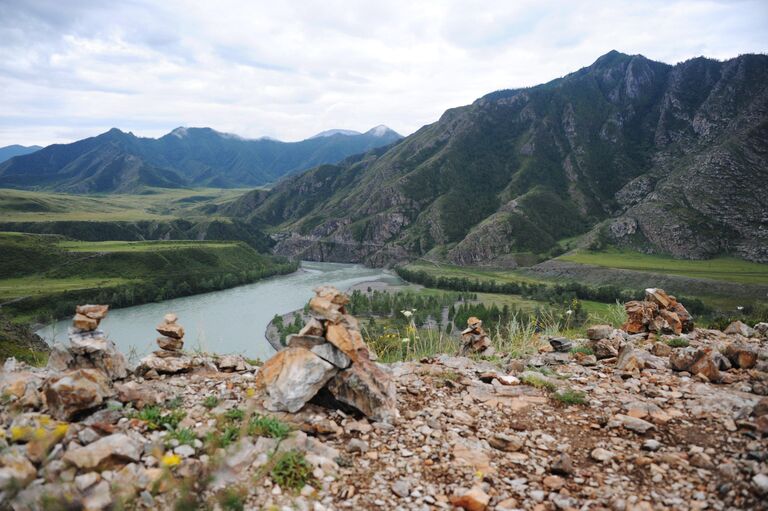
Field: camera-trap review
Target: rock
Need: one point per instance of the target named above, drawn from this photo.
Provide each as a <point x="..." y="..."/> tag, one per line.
<point x="168" y="364"/>
<point x="659" y="297"/>
<point x="313" y="328"/>
<point x="661" y="349"/>
<point x="630" y="360"/>
<point x="106" y="453"/>
<point x="60" y="359"/>
<point x="741" y="355"/>
<point x="184" y="450"/>
<point x="639" y="316"/>
<point x="170" y="343"/>
<point x="332" y="354"/>
<point x="601" y="455"/>
<point x="87" y="436"/>
<point x="16" y="471"/>
<point x="83" y="322"/>
<point x="761" y="408"/>
<point x="631" y="423"/>
<point x="672" y="323"/>
<point x="605" y="348"/>
<point x="85" y="481"/>
<point x="473" y="500"/>
<point x="585" y="360"/>
<point x="368" y="388"/>
<point x="737" y="327"/>
<point x="597" y="332"/>
<point x="507" y="443"/>
<point x="137" y="394"/>
<point x="292" y="377"/>
<point x="98" y="497"/>
<point x="357" y="445"/>
<point x="171" y="330"/>
<point x="326" y="309"/>
<point x="349" y="341"/>
<point x="72" y="392"/>
<point x="304" y="341"/>
<point x="401" y="488"/>
<point x="760" y="481"/>
<point x="97" y="312"/>
<point x="560" y="344"/>
<point x="562" y="465"/>
<point x="170" y="318"/>
<point x="695" y="361"/>
<point x="230" y="363"/>
<point x="553" y="482"/>
<point x="94" y="350"/>
<point x="651" y="445"/>
<point x="761" y="329"/>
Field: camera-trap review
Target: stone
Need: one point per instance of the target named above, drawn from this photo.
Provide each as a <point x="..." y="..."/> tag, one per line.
<point x="94" y="350"/>
<point x="553" y="482"/>
<point x="16" y="471"/>
<point x="401" y="488"/>
<point x="291" y="378"/>
<point x="695" y="361"/>
<point x="560" y="344"/>
<point x="313" y="328"/>
<point x="473" y="500"/>
<point x="597" y="332"/>
<point x="639" y="316"/>
<point x="605" y="348"/>
<point x="304" y="341"/>
<point x="349" y="341"/>
<point x="585" y="360"/>
<point x="761" y="408"/>
<point x="357" y="445"/>
<point x="659" y="297"/>
<point x="170" y="364"/>
<point x="170" y="343"/>
<point x="366" y="387"/>
<point x="630" y="360"/>
<point x="171" y="330"/>
<point x="137" y="394"/>
<point x="630" y="423"/>
<point x="83" y="322"/>
<point x="85" y="481"/>
<point x="737" y="327"/>
<point x="673" y="323"/>
<point x="97" y="312"/>
<point x="230" y="363"/>
<point x="60" y="359"/>
<point x="87" y="436"/>
<point x="326" y="309"/>
<point x="70" y="393"/>
<point x="760" y="481"/>
<point x="507" y="443"/>
<point x="332" y="354"/>
<point x="661" y="349"/>
<point x="106" y="453"/>
<point x="651" y="445"/>
<point x="170" y="318"/>
<point x="741" y="355"/>
<point x="601" y="455"/>
<point x="98" y="497"/>
<point x="684" y="316"/>
<point x="562" y="465"/>
<point x="761" y="329"/>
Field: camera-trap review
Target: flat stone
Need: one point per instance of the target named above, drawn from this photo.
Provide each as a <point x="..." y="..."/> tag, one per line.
<point x="332" y="354"/>
<point x="97" y="312"/>
<point x="601" y="455"/>
<point x="507" y="443"/>
<point x="292" y="377"/>
<point x="106" y="453"/>
<point x="630" y="423"/>
<point x="170" y="343"/>
<point x="304" y="341"/>
<point x="171" y="330"/>
<point x="83" y="322"/>
<point x="368" y="388"/>
<point x="401" y="488"/>
<point x="73" y="392"/>
<point x="473" y="500"/>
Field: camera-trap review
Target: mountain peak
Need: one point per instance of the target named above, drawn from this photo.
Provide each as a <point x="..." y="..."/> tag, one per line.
<point x="332" y="132"/>
<point x="381" y="131"/>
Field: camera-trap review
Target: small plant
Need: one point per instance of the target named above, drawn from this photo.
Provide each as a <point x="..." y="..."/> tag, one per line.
<point x="232" y="499"/>
<point x="678" y="342"/>
<point x="570" y="397"/>
<point x="223" y="439"/>
<point x="235" y="414"/>
<point x="585" y="350"/>
<point x="174" y="403"/>
<point x="183" y="436"/>
<point x="210" y="402"/>
<point x="254" y="361"/>
<point x="262" y="425"/>
<point x="290" y="470"/>
<point x="156" y="419"/>
<point x="540" y="382"/>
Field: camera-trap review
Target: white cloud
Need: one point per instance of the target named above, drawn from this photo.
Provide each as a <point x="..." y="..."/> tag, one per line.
<point x="292" y="69"/>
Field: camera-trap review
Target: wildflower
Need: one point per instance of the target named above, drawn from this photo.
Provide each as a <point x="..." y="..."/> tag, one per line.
<point x="740" y="307"/>
<point x="569" y="312"/>
<point x="60" y="430"/>
<point x="39" y="433"/>
<point x="170" y="460"/>
<point x="406" y="313"/>
<point x="20" y="433"/>
<point x="250" y="392"/>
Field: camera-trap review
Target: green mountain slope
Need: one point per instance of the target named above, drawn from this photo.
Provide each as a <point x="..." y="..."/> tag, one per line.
<point x="668" y="159"/>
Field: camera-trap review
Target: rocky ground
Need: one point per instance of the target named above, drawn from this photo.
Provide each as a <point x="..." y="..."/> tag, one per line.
<point x="614" y="424"/>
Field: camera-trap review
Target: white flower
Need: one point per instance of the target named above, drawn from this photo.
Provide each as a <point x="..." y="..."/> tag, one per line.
<point x="405" y="340"/>
<point x="740" y="307"/>
<point x="569" y="312"/>
<point x="407" y="313"/>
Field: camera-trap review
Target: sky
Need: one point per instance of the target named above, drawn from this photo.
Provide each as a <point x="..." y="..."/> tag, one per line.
<point x="288" y="70"/>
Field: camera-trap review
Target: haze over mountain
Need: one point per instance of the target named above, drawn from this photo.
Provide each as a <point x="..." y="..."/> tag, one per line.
<point x="116" y="161"/>
<point x="663" y="158"/>
<point x="8" y="152"/>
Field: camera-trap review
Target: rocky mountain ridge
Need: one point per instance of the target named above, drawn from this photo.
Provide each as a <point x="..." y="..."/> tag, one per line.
<point x="116" y="161"/>
<point x="666" y="159"/>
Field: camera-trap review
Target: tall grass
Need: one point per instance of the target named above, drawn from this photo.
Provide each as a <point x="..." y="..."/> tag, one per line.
<point x="614" y="315"/>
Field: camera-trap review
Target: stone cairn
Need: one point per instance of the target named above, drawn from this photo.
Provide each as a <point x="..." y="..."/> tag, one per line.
<point x="328" y="356"/>
<point x="169" y="359"/>
<point x="89" y="346"/>
<point x="475" y="340"/>
<point x="659" y="313"/>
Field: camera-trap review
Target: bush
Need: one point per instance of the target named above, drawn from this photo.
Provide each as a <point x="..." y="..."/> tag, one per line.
<point x="570" y="397"/>
<point x="290" y="470"/>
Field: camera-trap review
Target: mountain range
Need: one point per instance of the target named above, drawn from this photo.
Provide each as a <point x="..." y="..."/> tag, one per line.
<point x="116" y="161"/>
<point x="664" y="158"/>
<point x="9" y="151"/>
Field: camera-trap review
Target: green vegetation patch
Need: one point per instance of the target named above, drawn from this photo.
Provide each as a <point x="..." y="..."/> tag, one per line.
<point x="290" y="470"/>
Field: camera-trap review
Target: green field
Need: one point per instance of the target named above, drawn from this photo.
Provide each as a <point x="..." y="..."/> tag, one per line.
<point x="139" y="246"/>
<point x="471" y="272"/>
<point x="156" y="204"/>
<point x="727" y="269"/>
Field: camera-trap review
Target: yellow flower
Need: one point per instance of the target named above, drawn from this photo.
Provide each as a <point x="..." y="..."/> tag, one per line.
<point x="19" y="433"/>
<point x="2" y="433"/>
<point x="40" y="433"/>
<point x="250" y="392"/>
<point x="170" y="460"/>
<point x="60" y="430"/>
<point x="44" y="420"/>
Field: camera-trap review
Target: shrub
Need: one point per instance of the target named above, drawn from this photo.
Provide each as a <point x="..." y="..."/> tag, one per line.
<point x="586" y="350"/>
<point x="678" y="342"/>
<point x="262" y="425"/>
<point x="210" y="402"/>
<point x="570" y="397"/>
<point x="291" y="470"/>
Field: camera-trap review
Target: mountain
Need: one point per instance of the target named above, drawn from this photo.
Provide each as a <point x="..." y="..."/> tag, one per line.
<point x="330" y="133"/>
<point x="628" y="151"/>
<point x="9" y="151"/>
<point x="116" y="161"/>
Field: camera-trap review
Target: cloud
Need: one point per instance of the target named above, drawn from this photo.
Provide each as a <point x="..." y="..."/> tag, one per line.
<point x="291" y="69"/>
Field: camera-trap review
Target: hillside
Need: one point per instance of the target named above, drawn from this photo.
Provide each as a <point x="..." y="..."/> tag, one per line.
<point x="116" y="161"/>
<point x="8" y="152"/>
<point x="628" y="151"/>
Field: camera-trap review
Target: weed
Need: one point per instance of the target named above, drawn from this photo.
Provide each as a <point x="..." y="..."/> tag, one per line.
<point x="156" y="419"/>
<point x="290" y="470"/>
<point x="235" y="414"/>
<point x="540" y="382"/>
<point x="210" y="402"/>
<point x="232" y="499"/>
<point x="223" y="439"/>
<point x="678" y="342"/>
<point x="570" y="397"/>
<point x="183" y="436"/>
<point x="262" y="425"/>
<point x="174" y="403"/>
<point x="585" y="350"/>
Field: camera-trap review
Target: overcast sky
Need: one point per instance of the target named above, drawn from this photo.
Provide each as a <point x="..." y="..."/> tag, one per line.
<point x="75" y="68"/>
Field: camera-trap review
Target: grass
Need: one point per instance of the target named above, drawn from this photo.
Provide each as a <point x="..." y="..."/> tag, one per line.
<point x="262" y="425"/>
<point x="290" y="470"/>
<point x="570" y="397"/>
<point x="585" y="350"/>
<point x="540" y="382"/>
<point x="183" y="436"/>
<point x="157" y="418"/>
<point x="40" y="285"/>
<point x="210" y="402"/>
<point x="138" y="246"/>
<point x="729" y="269"/>
<point x="678" y="342"/>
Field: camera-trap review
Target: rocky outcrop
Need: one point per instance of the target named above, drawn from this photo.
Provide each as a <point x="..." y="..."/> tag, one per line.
<point x="475" y="340"/>
<point x="658" y="313"/>
<point x="328" y="353"/>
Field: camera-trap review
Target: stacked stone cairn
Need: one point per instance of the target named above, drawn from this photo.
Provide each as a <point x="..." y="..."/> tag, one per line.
<point x="659" y="313"/>
<point x="84" y="370"/>
<point x="327" y="356"/>
<point x="169" y="359"/>
<point x="475" y="340"/>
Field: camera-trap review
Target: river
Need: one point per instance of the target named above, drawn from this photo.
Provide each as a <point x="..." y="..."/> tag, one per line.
<point x="227" y="321"/>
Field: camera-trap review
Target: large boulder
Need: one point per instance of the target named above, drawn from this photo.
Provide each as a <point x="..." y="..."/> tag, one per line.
<point x="165" y="362"/>
<point x="94" y="350"/>
<point x="73" y="392"/>
<point x="291" y="378"/>
<point x="597" y="332"/>
<point x="696" y="361"/>
<point x="366" y="387"/>
<point x="739" y="328"/>
<point x="741" y="355"/>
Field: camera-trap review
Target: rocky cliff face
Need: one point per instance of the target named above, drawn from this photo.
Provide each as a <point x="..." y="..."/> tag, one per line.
<point x="673" y="156"/>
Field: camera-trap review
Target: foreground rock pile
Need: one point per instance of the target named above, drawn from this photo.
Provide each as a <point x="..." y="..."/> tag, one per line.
<point x="475" y="340"/>
<point x="327" y="355"/>
<point x="658" y="313"/>
<point x="612" y="425"/>
<point x="169" y="359"/>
